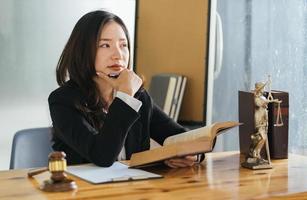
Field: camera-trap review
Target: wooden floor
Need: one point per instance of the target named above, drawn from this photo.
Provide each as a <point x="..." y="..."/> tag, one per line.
<point x="218" y="177"/>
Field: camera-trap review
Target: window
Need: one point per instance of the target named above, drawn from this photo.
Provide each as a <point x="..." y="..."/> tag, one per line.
<point x="261" y="38"/>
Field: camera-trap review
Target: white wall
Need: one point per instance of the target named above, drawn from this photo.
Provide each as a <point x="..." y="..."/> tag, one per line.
<point x="32" y="36"/>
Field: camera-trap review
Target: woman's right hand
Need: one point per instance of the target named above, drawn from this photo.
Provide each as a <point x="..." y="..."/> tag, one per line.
<point x="127" y="82"/>
<point x="186" y="161"/>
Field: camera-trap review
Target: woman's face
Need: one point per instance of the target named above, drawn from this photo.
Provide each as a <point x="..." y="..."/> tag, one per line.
<point x="112" y="54"/>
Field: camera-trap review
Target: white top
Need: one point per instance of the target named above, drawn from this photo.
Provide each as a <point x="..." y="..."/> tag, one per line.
<point x="135" y="104"/>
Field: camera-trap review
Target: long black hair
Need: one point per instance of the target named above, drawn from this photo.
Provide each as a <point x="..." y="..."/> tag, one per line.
<point x="77" y="61"/>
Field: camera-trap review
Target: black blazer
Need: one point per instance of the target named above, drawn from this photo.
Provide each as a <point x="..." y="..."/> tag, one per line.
<point x="74" y="134"/>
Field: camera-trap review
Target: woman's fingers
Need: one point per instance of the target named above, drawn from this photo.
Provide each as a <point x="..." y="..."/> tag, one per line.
<point x="168" y="163"/>
<point x="186" y="161"/>
<point x="182" y="162"/>
<point x="127" y="81"/>
<point x="193" y="158"/>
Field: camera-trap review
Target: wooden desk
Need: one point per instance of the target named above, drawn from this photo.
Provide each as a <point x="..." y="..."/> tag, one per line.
<point x="218" y="177"/>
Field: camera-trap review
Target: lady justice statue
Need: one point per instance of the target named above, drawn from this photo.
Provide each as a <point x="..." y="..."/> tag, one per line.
<point x="259" y="137"/>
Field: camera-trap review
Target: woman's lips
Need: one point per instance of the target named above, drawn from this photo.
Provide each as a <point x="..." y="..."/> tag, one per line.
<point x="115" y="70"/>
<point x="116" y="67"/>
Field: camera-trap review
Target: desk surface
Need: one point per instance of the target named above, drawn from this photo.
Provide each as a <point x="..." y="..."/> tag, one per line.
<point x="218" y="177"/>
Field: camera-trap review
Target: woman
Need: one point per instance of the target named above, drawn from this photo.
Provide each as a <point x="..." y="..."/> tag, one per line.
<point x="100" y="112"/>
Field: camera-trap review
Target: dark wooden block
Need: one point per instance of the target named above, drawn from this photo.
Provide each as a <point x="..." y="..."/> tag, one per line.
<point x="246" y="116"/>
<point x="277" y="136"/>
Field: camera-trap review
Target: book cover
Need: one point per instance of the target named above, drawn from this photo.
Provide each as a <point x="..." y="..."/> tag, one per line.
<point x="158" y="89"/>
<point x="162" y="89"/>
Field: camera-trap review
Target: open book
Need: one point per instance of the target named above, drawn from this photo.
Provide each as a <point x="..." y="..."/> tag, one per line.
<point x="192" y="142"/>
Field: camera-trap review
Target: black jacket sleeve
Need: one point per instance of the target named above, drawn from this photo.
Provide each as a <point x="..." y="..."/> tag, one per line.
<point x="98" y="146"/>
<point x="162" y="126"/>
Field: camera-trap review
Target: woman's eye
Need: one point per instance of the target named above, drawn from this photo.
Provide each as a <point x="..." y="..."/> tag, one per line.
<point x="124" y="45"/>
<point x="104" y="45"/>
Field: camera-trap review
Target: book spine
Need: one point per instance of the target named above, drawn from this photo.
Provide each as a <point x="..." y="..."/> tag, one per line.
<point x="181" y="94"/>
<point x="169" y="95"/>
<point x="176" y="96"/>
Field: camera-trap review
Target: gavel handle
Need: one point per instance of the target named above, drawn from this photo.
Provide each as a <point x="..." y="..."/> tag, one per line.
<point x="34" y="172"/>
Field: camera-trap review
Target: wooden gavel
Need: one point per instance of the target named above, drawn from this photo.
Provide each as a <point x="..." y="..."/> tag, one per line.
<point x="58" y="181"/>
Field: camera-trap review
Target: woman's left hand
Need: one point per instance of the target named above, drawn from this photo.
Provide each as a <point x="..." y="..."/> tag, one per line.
<point x="186" y="161"/>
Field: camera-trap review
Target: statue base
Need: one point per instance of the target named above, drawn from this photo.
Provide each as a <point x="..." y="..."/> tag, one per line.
<point x="256" y="163"/>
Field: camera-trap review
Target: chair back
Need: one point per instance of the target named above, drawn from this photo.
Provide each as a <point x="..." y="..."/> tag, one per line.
<point x="31" y="148"/>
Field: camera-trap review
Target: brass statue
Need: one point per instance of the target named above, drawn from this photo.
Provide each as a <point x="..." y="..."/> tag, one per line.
<point x="259" y="137"/>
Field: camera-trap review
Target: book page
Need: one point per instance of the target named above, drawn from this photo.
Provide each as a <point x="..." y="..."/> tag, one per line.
<point x="189" y="135"/>
<point x="209" y="131"/>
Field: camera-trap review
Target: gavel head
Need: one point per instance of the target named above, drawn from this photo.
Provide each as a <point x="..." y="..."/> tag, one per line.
<point x="57" y="165"/>
<point x="59" y="181"/>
